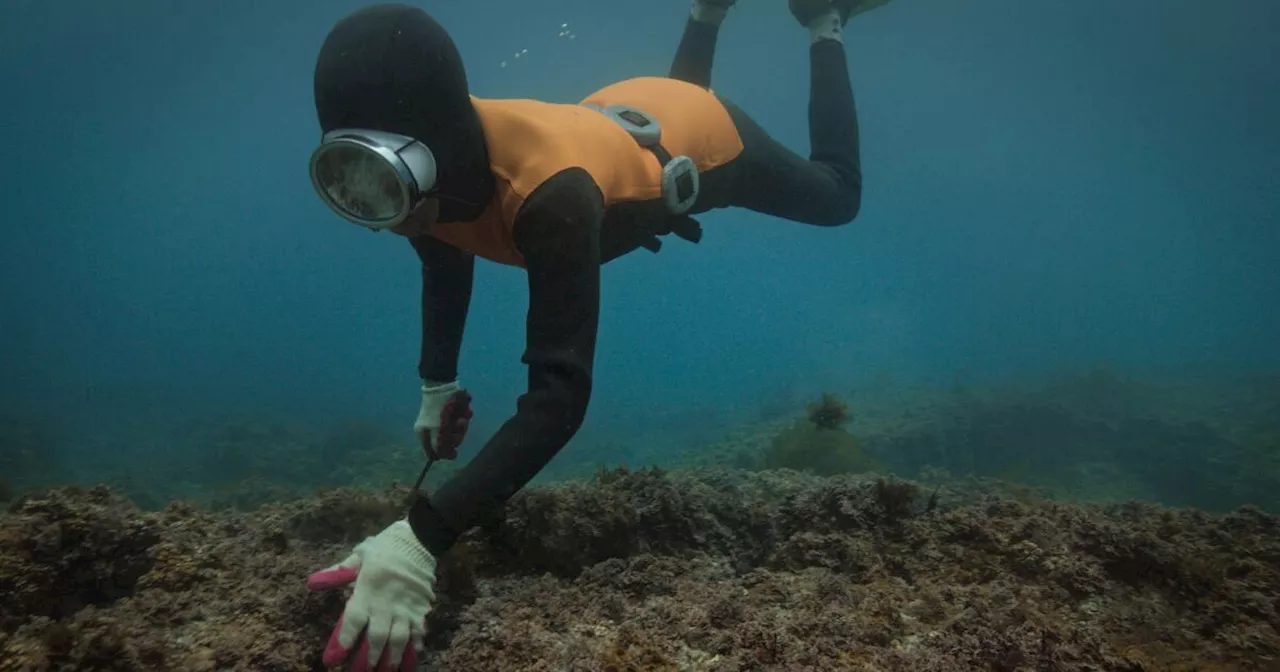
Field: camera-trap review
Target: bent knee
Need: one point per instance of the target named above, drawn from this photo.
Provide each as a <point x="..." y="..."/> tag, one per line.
<point x="844" y="207"/>
<point x="843" y="198"/>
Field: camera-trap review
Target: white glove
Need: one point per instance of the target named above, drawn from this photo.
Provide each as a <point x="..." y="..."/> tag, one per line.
<point x="444" y="406"/>
<point x="394" y="589"/>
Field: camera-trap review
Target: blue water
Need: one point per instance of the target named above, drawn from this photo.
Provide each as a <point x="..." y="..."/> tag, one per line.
<point x="1048" y="185"/>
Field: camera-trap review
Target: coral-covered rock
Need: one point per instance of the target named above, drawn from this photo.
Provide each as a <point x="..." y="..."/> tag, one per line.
<point x="103" y="586"/>
<point x="567" y="527"/>
<point x="65" y="550"/>
<point x="715" y="570"/>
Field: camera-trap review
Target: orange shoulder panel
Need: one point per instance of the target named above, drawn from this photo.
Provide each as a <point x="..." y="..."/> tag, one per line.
<point x="530" y="141"/>
<point x="694" y="122"/>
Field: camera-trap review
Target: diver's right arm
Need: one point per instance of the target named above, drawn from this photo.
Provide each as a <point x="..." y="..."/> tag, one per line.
<point x="447" y="275"/>
<point x="447" y="278"/>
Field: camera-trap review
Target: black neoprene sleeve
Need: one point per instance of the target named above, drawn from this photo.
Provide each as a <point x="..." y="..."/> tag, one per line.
<point x="447" y="276"/>
<point x="558" y="233"/>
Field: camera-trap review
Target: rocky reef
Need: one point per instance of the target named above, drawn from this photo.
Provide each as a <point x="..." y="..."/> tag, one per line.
<point x="710" y="569"/>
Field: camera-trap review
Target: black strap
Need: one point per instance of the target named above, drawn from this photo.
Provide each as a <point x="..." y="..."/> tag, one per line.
<point x="664" y="157"/>
<point x="683" y="226"/>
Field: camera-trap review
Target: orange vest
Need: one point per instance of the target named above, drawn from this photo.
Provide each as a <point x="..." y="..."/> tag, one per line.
<point x="529" y="141"/>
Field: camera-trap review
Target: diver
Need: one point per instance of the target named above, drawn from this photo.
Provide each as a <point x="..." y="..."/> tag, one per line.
<point x="558" y="190"/>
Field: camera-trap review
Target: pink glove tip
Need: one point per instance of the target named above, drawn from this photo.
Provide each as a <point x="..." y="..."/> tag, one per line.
<point x="361" y="663"/>
<point x="331" y="578"/>
<point x="409" y="662"/>
<point x="335" y="653"/>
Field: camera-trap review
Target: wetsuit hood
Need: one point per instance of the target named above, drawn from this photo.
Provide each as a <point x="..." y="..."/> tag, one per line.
<point x="391" y="67"/>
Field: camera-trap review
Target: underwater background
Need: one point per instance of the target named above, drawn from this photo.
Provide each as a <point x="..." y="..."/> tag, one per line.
<point x="1053" y="323"/>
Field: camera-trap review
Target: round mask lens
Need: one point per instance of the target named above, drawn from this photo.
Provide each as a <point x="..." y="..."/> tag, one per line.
<point x="361" y="184"/>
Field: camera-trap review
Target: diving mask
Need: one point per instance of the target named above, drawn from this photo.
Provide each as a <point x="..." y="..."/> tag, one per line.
<point x="373" y="178"/>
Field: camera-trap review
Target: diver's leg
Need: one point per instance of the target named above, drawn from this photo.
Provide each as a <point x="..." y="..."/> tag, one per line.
<point x="698" y="45"/>
<point x="826" y="189"/>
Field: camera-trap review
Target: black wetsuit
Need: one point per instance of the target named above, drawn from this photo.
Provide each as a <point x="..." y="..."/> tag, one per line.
<point x="565" y="233"/>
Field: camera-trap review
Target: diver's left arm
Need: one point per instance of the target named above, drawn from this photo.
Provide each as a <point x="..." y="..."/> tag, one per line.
<point x="558" y="233"/>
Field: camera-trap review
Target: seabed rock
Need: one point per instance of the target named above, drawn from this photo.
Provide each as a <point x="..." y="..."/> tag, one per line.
<point x="652" y="570"/>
